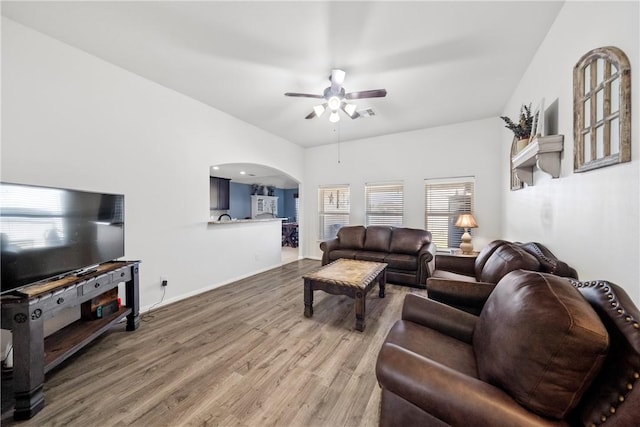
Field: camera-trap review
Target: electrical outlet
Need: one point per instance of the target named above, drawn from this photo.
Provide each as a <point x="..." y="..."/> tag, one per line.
<point x="163" y="281"/>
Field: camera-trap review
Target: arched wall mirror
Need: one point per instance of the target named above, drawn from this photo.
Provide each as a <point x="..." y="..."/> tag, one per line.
<point x="602" y="109"/>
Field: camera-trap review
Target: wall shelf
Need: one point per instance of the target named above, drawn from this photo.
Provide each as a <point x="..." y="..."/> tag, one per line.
<point x="543" y="152"/>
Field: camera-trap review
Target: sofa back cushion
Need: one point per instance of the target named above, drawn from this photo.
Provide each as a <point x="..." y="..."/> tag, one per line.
<point x="351" y="237"/>
<point x="408" y="240"/>
<point x="485" y="254"/>
<point x="378" y="238"/>
<point x="506" y="258"/>
<point x="541" y="341"/>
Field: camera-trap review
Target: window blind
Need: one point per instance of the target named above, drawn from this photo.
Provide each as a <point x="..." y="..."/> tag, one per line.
<point x="37" y="216"/>
<point x="334" y="207"/>
<point x="444" y="201"/>
<point x="384" y="204"/>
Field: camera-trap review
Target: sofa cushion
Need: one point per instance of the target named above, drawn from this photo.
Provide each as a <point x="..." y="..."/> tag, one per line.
<point x="408" y="240"/>
<point x="378" y="238"/>
<point x="342" y="253"/>
<point x="351" y="237"/>
<point x="434" y="345"/>
<point x="508" y="257"/>
<point x="539" y="340"/>
<point x="450" y="275"/>
<point x="371" y="256"/>
<point x="402" y="262"/>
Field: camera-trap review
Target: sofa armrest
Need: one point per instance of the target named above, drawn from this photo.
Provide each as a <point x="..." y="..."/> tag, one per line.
<point x="449" y="395"/>
<point x="469" y="296"/>
<point x="328" y="246"/>
<point x="426" y="262"/>
<point x="465" y="265"/>
<point x="443" y="318"/>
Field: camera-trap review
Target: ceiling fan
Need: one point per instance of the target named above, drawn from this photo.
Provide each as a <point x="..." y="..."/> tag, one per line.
<point x="335" y="98"/>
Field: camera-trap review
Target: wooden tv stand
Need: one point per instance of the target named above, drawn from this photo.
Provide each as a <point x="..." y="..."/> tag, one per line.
<point x="25" y="310"/>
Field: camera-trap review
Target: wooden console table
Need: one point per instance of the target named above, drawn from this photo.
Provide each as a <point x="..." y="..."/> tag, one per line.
<point x="25" y="310"/>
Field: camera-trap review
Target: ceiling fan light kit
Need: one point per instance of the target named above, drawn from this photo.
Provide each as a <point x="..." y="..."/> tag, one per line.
<point x="335" y="97"/>
<point x="319" y="109"/>
<point x="334" y="103"/>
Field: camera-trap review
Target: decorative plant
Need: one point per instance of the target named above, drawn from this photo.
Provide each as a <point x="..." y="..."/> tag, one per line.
<point x="521" y="129"/>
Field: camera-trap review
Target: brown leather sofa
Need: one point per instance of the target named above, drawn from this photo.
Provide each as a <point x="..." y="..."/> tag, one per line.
<point x="467" y="282"/>
<point x="545" y="351"/>
<point x="408" y="252"/>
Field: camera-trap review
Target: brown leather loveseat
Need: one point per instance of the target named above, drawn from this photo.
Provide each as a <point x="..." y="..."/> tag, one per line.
<point x="408" y="252"/>
<point x="545" y="351"/>
<point x="466" y="282"/>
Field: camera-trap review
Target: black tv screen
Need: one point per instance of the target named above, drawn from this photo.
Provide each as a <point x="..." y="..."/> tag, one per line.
<point x="50" y="232"/>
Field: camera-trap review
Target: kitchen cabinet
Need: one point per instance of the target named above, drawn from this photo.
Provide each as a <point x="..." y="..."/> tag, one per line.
<point x="219" y="193"/>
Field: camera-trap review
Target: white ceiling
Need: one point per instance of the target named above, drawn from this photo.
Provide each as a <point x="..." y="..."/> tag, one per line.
<point x="441" y="62"/>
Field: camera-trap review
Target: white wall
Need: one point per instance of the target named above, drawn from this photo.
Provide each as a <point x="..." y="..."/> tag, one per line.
<point x="588" y="219"/>
<point x="466" y="149"/>
<point x="72" y="120"/>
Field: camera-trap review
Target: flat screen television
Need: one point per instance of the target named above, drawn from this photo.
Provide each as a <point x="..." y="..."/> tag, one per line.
<point x="46" y="233"/>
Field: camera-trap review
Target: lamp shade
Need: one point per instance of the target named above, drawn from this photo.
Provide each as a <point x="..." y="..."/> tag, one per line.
<point x="466" y="220"/>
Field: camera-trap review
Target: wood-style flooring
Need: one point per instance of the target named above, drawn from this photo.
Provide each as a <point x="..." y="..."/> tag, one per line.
<point x="240" y="355"/>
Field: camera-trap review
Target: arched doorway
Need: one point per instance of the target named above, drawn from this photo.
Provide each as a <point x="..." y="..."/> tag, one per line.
<point x="246" y="181"/>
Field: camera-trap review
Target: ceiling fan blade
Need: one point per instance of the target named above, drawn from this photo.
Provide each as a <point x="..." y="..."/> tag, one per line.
<point x="311" y="115"/>
<point x="304" y="95"/>
<point x="375" y="93"/>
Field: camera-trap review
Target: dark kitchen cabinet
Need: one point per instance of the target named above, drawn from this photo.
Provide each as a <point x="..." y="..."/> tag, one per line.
<point x="219" y="193"/>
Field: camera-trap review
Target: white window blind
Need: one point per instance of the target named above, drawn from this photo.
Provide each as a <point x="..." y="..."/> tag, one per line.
<point x="36" y="216"/>
<point x="334" y="207"/>
<point x="445" y="199"/>
<point x="384" y="204"/>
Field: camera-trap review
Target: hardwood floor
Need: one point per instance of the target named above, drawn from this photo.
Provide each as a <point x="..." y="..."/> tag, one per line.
<point x="240" y="355"/>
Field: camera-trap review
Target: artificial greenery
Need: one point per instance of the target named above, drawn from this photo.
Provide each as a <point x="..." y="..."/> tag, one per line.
<point x="522" y="129"/>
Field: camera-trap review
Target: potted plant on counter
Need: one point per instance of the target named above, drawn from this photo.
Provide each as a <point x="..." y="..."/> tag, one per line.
<point x="522" y="128"/>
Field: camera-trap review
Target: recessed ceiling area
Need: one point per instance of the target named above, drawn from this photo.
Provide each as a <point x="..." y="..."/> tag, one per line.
<point x="441" y="62"/>
<point x="251" y="173"/>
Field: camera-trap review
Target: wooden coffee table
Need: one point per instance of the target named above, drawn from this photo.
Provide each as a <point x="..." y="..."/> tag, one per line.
<point x="346" y="277"/>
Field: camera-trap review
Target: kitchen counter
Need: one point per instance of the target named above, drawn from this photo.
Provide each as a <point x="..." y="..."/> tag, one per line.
<point x="241" y="221"/>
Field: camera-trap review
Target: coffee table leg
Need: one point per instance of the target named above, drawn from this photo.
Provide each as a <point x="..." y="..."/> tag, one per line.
<point x="361" y="298"/>
<point x="308" y="298"/>
<point x="382" y="281"/>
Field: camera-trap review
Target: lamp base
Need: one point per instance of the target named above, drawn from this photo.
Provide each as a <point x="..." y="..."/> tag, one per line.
<point x="466" y="246"/>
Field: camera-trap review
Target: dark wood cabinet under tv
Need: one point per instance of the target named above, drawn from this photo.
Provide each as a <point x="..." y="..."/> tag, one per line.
<point x="219" y="193"/>
<point x="25" y="310"/>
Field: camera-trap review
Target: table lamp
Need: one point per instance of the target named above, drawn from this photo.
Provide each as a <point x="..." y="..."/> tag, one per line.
<point x="466" y="221"/>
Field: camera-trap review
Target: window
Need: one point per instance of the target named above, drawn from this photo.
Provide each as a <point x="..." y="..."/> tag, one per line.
<point x="333" y="208"/>
<point x="384" y="204"/>
<point x="297" y="207"/>
<point x="445" y="199"/>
